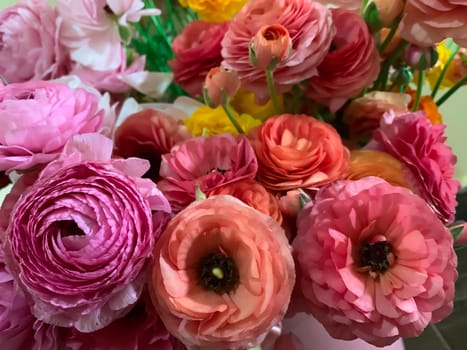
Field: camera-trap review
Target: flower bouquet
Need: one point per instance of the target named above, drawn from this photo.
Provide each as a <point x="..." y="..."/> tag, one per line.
<point x="193" y="174"/>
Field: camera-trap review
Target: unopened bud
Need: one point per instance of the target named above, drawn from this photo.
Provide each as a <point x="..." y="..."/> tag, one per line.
<point x="270" y="47"/>
<point x="219" y="86"/>
<point x="382" y="13"/>
<point x="420" y="58"/>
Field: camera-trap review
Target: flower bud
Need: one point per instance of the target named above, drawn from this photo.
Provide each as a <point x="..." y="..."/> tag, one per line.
<point x="219" y="86"/>
<point x="393" y="44"/>
<point x="270" y="46"/>
<point x="420" y="58"/>
<point x="382" y="13"/>
<point x="402" y="77"/>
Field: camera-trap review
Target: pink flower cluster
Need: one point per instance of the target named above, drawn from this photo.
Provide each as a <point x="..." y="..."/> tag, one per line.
<point x="77" y="37"/>
<point x="132" y="232"/>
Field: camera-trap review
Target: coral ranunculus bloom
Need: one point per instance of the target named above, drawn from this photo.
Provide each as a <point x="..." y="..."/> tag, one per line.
<point x="298" y="151"/>
<point x="222" y="276"/>
<point x="375" y="262"/>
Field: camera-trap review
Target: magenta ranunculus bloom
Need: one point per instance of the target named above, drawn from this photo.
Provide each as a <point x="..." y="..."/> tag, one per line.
<point x="140" y="329"/>
<point x="37" y="118"/>
<point x="29" y="47"/>
<point x="430" y="163"/>
<point x="79" y="238"/>
<point x="209" y="162"/>
<point x="310" y="28"/>
<point x="19" y="329"/>
<point x="375" y="262"/>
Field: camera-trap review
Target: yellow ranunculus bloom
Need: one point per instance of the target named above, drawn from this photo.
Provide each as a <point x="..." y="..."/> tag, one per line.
<point x="244" y="102"/>
<point x="214" y="10"/>
<point x="213" y="121"/>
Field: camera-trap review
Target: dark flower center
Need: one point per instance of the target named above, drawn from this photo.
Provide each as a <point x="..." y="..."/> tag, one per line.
<point x="375" y="256"/>
<point x="218" y="170"/>
<point x="218" y="273"/>
<point x="69" y="228"/>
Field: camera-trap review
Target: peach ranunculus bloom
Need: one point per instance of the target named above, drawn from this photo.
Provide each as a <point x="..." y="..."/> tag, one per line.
<point x="222" y="275"/>
<point x="219" y="86"/>
<point x="353" y="64"/>
<point x="254" y="194"/>
<point x="365" y="163"/>
<point x="311" y="30"/>
<point x="375" y="261"/>
<point x="270" y="46"/>
<point x="298" y="151"/>
<point x="363" y="114"/>
<point x="427" y="22"/>
<point x="196" y="49"/>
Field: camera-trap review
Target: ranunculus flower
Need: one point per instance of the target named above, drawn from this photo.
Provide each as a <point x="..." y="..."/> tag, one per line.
<point x="420" y="146"/>
<point x="363" y="114"/>
<point x="350" y="5"/>
<point x="140" y="329"/>
<point x="149" y="134"/>
<point x="19" y="330"/>
<point x="29" y="48"/>
<point x="427" y="22"/>
<point x="351" y="65"/>
<point x="79" y="238"/>
<point x="367" y="162"/>
<point x="311" y="31"/>
<point x="37" y="118"/>
<point x="254" y="194"/>
<point x="223" y="274"/>
<point x="270" y="46"/>
<point x="219" y="86"/>
<point x="209" y="162"/>
<point x="376" y="263"/>
<point x="196" y="49"/>
<point x="298" y="151"/>
<point x="89" y="29"/>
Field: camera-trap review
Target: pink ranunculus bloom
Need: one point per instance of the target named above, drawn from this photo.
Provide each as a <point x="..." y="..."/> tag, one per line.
<point x="19" y="329"/>
<point x="310" y="28"/>
<point x="90" y="32"/>
<point x="375" y="261"/>
<point x="29" y="47"/>
<point x="430" y="163"/>
<point x="80" y="237"/>
<point x="110" y="80"/>
<point x="209" y="162"/>
<point x="353" y="64"/>
<point x="140" y="329"/>
<point x="222" y="276"/>
<point x="37" y="118"/>
<point x="349" y="5"/>
<point x="427" y="22"/>
<point x="197" y="49"/>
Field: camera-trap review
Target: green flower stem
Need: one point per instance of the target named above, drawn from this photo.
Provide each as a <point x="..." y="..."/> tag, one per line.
<point x="381" y="82"/>
<point x="232" y="118"/>
<point x="272" y="91"/>
<point x="452" y="90"/>
<point x="418" y="94"/>
<point x="444" y="71"/>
